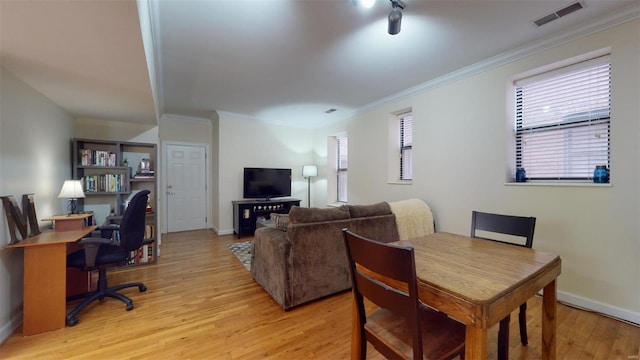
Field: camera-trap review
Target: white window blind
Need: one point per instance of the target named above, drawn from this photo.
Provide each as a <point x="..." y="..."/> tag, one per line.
<point x="406" y="143"/>
<point x="343" y="163"/>
<point x="562" y="121"/>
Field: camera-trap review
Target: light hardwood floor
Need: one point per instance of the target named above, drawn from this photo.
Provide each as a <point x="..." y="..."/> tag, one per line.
<point x="201" y="303"/>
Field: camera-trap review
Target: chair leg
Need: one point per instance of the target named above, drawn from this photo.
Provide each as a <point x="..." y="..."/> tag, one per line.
<point x="141" y="287"/>
<point x="102" y="292"/>
<point x="522" y="318"/>
<point x="124" y="299"/>
<point x="503" y="338"/>
<point x="71" y="318"/>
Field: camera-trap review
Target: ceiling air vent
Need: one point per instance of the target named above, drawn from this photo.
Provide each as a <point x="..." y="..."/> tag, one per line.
<point x="559" y="13"/>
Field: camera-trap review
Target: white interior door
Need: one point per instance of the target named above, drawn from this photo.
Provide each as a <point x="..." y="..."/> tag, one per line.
<point x="186" y="187"/>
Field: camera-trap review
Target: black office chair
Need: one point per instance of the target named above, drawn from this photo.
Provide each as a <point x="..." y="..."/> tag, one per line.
<point x="402" y="327"/>
<point x="101" y="253"/>
<point x="518" y="226"/>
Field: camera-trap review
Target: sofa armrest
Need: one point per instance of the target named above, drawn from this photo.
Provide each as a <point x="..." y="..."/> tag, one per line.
<point x="270" y="254"/>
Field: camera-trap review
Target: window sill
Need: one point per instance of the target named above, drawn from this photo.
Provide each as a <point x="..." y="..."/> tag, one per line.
<point x="400" y="182"/>
<point x="558" y="183"/>
<point x="336" y="204"/>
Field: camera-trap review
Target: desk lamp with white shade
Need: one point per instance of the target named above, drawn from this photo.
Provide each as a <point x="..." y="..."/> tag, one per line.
<point x="72" y="190"/>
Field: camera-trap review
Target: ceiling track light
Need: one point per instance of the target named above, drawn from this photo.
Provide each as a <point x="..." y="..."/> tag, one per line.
<point x="395" y="16"/>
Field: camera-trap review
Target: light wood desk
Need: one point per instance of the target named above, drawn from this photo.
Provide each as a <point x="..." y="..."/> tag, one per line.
<point x="479" y="282"/>
<point x="45" y="278"/>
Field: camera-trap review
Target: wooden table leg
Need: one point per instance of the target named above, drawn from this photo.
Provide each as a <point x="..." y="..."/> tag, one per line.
<point x="503" y="338"/>
<point x="475" y="345"/>
<point x="549" y="321"/>
<point x="355" y="335"/>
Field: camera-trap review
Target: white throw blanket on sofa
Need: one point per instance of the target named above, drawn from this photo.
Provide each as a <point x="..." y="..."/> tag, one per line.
<point x="413" y="218"/>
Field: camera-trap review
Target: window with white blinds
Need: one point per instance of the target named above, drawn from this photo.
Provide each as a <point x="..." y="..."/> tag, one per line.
<point x="406" y="142"/>
<point x="342" y="145"/>
<point x="562" y="121"/>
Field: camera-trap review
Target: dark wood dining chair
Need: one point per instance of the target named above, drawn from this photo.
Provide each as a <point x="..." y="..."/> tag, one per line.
<point x="519" y="231"/>
<point x="401" y="327"/>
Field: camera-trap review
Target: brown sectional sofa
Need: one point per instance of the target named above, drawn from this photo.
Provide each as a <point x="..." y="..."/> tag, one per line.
<point x="305" y="259"/>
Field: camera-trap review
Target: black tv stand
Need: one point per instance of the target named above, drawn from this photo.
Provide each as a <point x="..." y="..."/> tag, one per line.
<point x="246" y="212"/>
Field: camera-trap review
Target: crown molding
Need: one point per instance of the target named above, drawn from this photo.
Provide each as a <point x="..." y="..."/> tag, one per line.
<point x="625" y="15"/>
<point x="178" y="117"/>
<point x="239" y="116"/>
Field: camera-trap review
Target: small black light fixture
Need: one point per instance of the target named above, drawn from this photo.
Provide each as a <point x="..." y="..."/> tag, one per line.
<point x="395" y="16"/>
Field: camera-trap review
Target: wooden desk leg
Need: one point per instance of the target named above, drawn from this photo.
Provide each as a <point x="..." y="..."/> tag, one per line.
<point x="355" y="338"/>
<point x="549" y="321"/>
<point x="475" y="345"/>
<point x="44" y="288"/>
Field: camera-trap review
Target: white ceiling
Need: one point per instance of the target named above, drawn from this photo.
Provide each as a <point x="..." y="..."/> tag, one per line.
<point x="283" y="61"/>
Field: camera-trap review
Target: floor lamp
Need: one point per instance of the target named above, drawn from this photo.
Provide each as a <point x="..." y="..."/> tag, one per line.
<point x="309" y="171"/>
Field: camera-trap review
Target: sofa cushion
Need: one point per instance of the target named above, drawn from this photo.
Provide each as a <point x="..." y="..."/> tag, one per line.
<point x="298" y="215"/>
<point x="281" y="221"/>
<point x="358" y="211"/>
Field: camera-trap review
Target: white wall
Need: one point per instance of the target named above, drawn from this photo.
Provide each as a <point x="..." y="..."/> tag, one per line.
<point x="246" y="142"/>
<point x="35" y="157"/>
<point x="460" y="150"/>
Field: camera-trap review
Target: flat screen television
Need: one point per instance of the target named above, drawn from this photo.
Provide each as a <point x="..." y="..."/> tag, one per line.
<point x="266" y="183"/>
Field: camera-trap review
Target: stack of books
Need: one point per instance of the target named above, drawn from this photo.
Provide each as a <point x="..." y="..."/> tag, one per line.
<point x="145" y="175"/>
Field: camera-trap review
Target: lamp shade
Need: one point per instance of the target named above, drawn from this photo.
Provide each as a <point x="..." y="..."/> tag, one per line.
<point x="71" y="189"/>
<point x="309" y="170"/>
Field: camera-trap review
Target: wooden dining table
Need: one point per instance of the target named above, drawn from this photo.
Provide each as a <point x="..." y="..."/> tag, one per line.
<point x="478" y="283"/>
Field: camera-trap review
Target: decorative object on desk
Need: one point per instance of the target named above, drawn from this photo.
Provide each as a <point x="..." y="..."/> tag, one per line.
<point x="72" y="190"/>
<point x="29" y="212"/>
<point x="521" y="175"/>
<point x="308" y="171"/>
<point x="601" y="174"/>
<point x="17" y="219"/>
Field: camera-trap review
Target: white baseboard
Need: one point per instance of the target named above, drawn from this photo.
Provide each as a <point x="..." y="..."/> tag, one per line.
<point x="599" y="307"/>
<point x="221" y="232"/>
<point x="224" y="232"/>
<point x="9" y="327"/>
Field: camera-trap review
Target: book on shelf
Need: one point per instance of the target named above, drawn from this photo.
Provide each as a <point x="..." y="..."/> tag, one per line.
<point x="104" y="183"/>
<point x="149" y="232"/>
<point x="143" y="255"/>
<point x="144" y="175"/>
<point x="90" y="157"/>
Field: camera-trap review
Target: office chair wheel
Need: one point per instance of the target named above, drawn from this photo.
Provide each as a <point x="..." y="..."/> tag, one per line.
<point x="72" y="321"/>
<point x="142" y="288"/>
<point x="129" y="307"/>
